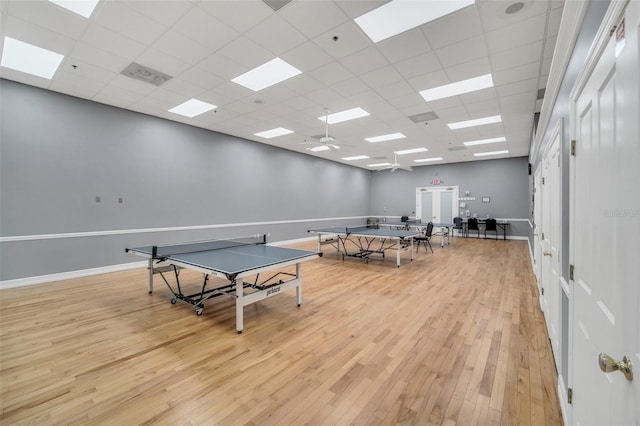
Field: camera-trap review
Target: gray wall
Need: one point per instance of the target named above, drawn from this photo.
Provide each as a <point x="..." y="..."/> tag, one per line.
<point x="58" y="153"/>
<point x="506" y="181"/>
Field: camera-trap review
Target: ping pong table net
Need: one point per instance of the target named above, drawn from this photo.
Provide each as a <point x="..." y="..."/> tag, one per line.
<point x="356" y="229"/>
<point x="209" y="245"/>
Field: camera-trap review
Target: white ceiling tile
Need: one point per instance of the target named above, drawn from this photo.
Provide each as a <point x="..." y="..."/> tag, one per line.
<point x="205" y="29"/>
<point x="162" y="62"/>
<point x="164" y="12"/>
<point x="350" y="40"/>
<point x="453" y="28"/>
<point x="524" y="86"/>
<point x="240" y="15"/>
<point x="36" y="35"/>
<point x="331" y="73"/>
<point x="110" y="41"/>
<point x="131" y="85"/>
<point x="201" y="78"/>
<point x="404" y="46"/>
<point x="99" y="58"/>
<point x="276" y="35"/>
<point x="520" y="55"/>
<point x="520" y="73"/>
<point x="350" y="87"/>
<point x="519" y="34"/>
<point x="549" y="47"/>
<point x="364" y="61"/>
<point x="418" y="65"/>
<point x="80" y="89"/>
<point x="83" y="70"/>
<point x="301" y="83"/>
<point x="313" y="18"/>
<point x="24" y="78"/>
<point x="382" y="77"/>
<point x="246" y="52"/>
<point x="473" y="68"/>
<point x="126" y="21"/>
<point x="306" y="57"/>
<point x="50" y="16"/>
<point x="493" y="16"/>
<point x="116" y="96"/>
<point x="222" y="66"/>
<point x="463" y="51"/>
<point x="181" y="47"/>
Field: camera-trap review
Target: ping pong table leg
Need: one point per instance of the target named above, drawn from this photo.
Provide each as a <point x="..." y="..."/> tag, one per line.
<point x="150" y="268"/>
<point x="299" y="286"/>
<point x="239" y="306"/>
<point x="398" y="248"/>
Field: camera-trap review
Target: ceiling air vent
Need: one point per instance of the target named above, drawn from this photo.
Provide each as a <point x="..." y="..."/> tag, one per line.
<point x="276" y="4"/>
<point x="457" y="148"/>
<point x="425" y="116"/>
<point x="146" y="74"/>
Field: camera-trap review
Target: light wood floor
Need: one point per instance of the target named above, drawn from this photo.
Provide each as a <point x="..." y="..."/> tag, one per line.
<point x="454" y="337"/>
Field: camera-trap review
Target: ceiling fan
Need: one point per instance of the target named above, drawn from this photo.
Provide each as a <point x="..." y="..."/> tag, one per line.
<point x="325" y="140"/>
<point x="395" y="166"/>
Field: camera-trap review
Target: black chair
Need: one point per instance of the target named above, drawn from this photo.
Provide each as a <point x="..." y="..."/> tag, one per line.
<point x="472" y="225"/>
<point x="490" y="225"/>
<point x="425" y="238"/>
<point x="457" y="224"/>
<point x="404" y="220"/>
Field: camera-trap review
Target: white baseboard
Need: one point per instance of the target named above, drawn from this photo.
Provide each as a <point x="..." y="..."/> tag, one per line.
<point x="41" y="279"/>
<point x="562" y="397"/>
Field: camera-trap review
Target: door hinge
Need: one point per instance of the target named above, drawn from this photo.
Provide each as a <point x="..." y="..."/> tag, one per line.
<point x="573" y="147"/>
<point x="543" y="236"/>
<point x="613" y="30"/>
<point x="542" y="291"/>
<point x="571" y="272"/>
<point x="570" y="396"/>
<point x="543" y="181"/>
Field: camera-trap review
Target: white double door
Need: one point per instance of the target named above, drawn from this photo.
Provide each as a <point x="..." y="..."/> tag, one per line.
<point x="437" y="204"/>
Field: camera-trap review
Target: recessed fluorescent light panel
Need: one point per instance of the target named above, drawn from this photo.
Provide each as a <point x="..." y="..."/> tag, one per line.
<point x="379" y="165"/>
<point x="192" y="107"/>
<point x="389" y="137"/>
<point x="402" y="15"/>
<point x="278" y="131"/>
<point x="267" y="74"/>
<point x="357" y="157"/>
<point x="426" y="160"/>
<point x="319" y="148"/>
<point x="81" y="7"/>
<point x="30" y="59"/>
<point x="485" y="141"/>
<point x="339" y="117"/>
<point x="476" y="122"/>
<point x="411" y="151"/>
<point x="484" y="154"/>
<point x="457" y="88"/>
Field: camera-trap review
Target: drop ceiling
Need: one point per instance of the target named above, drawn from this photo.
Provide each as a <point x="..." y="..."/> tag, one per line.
<point x="203" y="45"/>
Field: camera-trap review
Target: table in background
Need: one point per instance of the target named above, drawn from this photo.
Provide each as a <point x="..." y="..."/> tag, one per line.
<point x="368" y="239"/>
<point x="230" y="260"/>
<point x="446" y="229"/>
<point x="502" y="224"/>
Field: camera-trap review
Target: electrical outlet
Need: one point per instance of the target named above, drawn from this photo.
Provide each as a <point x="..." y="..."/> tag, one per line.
<point x="120" y="200"/>
<point x="97" y="198"/>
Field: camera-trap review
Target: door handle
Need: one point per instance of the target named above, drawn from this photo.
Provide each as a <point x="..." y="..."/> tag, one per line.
<point x="608" y="364"/>
<point x="546" y="253"/>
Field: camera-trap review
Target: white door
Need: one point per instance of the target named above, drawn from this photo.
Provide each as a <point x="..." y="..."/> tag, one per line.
<point x="437" y="204"/>
<point x="605" y="230"/>
<point x="550" y="240"/>
<point x="537" y="222"/>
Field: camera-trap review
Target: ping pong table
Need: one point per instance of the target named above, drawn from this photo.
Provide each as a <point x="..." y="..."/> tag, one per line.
<point x="445" y="229"/>
<point x="368" y="240"/>
<point x="231" y="260"/>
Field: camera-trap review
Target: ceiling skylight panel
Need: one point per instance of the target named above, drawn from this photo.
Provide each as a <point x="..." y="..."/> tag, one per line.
<point x="278" y="131"/>
<point x="484" y="154"/>
<point x="485" y="141"/>
<point x="427" y="160"/>
<point x="350" y="114"/>
<point x="379" y="165"/>
<point x="30" y="59"/>
<point x="356" y="157"/>
<point x="458" y="88"/>
<point x="389" y="137"/>
<point x="192" y="108"/>
<point x="81" y="7"/>
<point x="410" y="151"/>
<point x="476" y="122"/>
<point x="267" y="74"/>
<point x="399" y="16"/>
